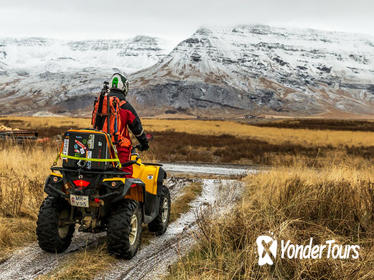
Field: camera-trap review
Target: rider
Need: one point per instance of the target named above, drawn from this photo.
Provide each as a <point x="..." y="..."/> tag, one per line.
<point x="119" y="87"/>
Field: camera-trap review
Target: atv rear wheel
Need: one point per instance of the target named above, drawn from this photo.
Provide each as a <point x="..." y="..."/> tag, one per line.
<point x="161" y="222"/>
<point x="53" y="234"/>
<point x="124" y="229"/>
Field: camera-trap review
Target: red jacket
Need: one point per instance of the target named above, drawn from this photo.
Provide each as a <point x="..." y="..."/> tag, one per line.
<point x="129" y="121"/>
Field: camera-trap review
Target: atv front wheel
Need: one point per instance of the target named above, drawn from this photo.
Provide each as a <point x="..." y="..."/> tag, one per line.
<point x="161" y="222"/>
<point x="124" y="229"/>
<point x="54" y="235"/>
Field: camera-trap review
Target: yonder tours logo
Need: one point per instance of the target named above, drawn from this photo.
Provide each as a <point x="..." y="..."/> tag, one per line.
<point x="267" y="248"/>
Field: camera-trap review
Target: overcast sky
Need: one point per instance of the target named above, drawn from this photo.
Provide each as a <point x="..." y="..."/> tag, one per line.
<point x="174" y="19"/>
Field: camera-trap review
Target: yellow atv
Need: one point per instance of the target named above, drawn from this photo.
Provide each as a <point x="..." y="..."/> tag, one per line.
<point x="91" y="190"/>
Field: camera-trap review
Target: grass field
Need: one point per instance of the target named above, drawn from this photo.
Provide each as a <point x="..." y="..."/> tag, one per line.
<point x="321" y="135"/>
<point x="23" y="170"/>
<point x="294" y="204"/>
<point x="233" y="142"/>
<point x="321" y="124"/>
<point x="320" y="184"/>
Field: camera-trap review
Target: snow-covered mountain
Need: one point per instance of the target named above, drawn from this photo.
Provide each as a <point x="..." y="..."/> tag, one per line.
<point x="61" y="76"/>
<point x="41" y="55"/>
<point x="260" y="68"/>
<point x="243" y="69"/>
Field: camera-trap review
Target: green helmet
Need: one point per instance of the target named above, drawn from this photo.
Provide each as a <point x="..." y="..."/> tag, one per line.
<point x="120" y="82"/>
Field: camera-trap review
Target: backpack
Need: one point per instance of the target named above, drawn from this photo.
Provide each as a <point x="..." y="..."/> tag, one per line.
<point x="106" y="117"/>
<point x="88" y="149"/>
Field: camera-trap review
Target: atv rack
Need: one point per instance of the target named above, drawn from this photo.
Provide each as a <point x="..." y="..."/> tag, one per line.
<point x="114" y="173"/>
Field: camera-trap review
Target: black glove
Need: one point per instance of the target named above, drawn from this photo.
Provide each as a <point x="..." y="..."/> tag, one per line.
<point x="143" y="147"/>
<point x="143" y="142"/>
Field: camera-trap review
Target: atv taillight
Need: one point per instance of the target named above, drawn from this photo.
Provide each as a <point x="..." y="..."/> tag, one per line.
<point x="81" y="183"/>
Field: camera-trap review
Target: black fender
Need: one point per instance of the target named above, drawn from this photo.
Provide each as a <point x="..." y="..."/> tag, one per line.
<point x="160" y="180"/>
<point x="117" y="194"/>
<point x="126" y="187"/>
<point x="54" y="189"/>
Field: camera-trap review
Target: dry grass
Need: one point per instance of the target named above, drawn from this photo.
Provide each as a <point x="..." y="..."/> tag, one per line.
<point x="15" y="233"/>
<point x="321" y="186"/>
<point x="320" y="124"/>
<point x="273" y="135"/>
<point x="182" y="203"/>
<point x="35" y="123"/>
<point x="295" y="204"/>
<point x="23" y="170"/>
<point x="228" y="149"/>
<point x="82" y="265"/>
<point x="232" y="142"/>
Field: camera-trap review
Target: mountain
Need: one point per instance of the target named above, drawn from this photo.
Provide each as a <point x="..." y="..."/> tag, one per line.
<point x="65" y="76"/>
<point x="242" y="70"/>
<point x="256" y="68"/>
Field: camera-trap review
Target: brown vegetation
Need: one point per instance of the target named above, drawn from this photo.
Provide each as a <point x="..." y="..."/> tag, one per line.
<point x="174" y="146"/>
<point x="216" y="142"/>
<point x="305" y="137"/>
<point x="319" y="124"/>
<point x="321" y="186"/>
<point x="170" y="146"/>
<point x="182" y="203"/>
<point x="15" y="233"/>
<point x="45" y="127"/>
<point x="295" y="204"/>
<point x="272" y="135"/>
<point x="23" y="169"/>
<point x="84" y="264"/>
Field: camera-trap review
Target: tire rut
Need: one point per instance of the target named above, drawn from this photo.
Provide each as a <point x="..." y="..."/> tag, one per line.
<point x="152" y="261"/>
<point x="31" y="262"/>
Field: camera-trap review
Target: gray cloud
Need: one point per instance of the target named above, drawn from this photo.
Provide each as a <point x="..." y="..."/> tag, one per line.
<point x="175" y="19"/>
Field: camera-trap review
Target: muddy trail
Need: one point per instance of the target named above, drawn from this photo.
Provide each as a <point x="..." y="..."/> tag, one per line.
<point x="152" y="260"/>
<point x="221" y="169"/>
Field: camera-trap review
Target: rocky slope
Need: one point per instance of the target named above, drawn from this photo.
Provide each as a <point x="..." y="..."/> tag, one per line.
<point x="263" y="69"/>
<point x="245" y="69"/>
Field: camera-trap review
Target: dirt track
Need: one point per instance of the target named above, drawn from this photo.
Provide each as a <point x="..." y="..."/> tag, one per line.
<point x="152" y="261"/>
<point x="217" y="194"/>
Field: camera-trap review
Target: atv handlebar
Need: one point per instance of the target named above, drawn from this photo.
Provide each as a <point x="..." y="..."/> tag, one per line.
<point x="128" y="163"/>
